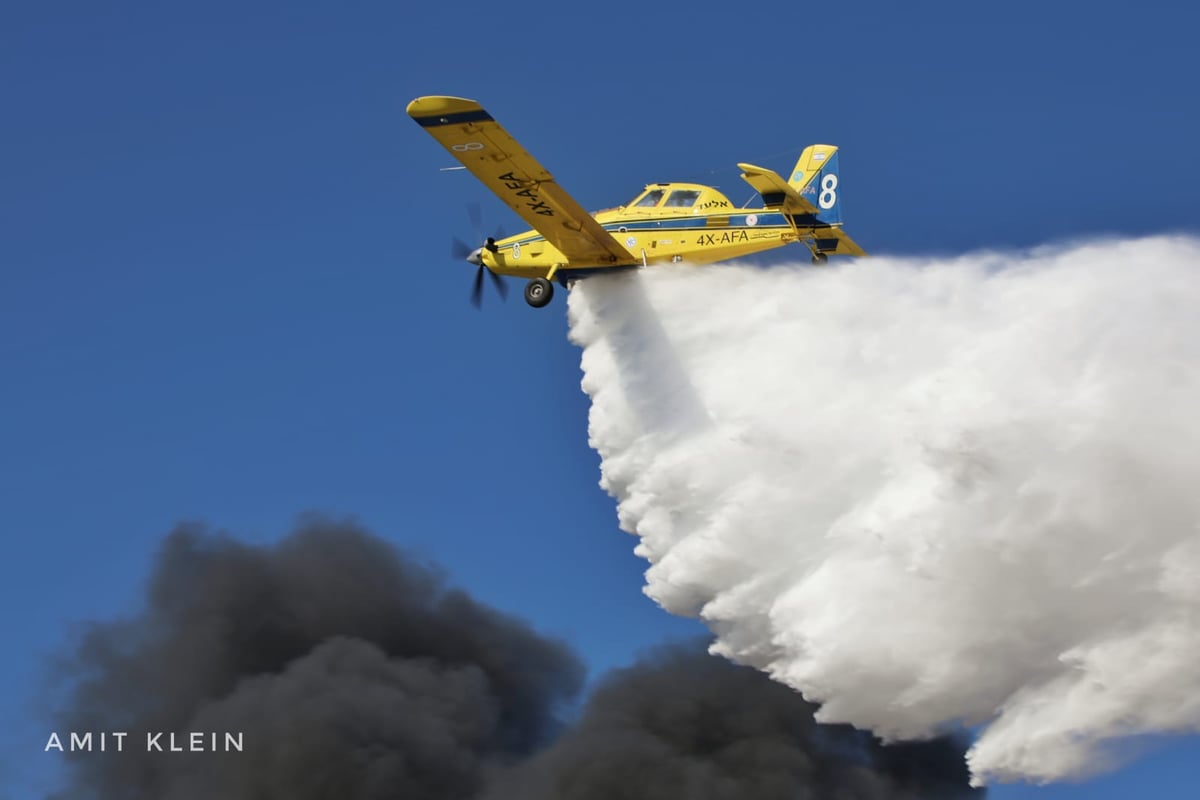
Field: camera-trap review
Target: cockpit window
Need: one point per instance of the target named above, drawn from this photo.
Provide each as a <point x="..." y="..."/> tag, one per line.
<point x="650" y="198"/>
<point x="683" y="198"/>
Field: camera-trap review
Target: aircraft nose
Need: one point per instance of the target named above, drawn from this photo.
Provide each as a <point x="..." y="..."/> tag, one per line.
<point x="476" y="257"/>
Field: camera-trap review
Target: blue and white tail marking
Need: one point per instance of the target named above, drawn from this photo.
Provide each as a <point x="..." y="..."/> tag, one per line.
<point x="815" y="178"/>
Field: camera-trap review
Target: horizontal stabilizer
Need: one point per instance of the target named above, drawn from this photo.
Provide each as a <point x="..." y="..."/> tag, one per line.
<point x="776" y="192"/>
<point x="845" y="245"/>
<point x="830" y="240"/>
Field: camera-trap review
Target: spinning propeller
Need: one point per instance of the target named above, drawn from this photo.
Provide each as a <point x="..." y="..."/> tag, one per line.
<point x="461" y="250"/>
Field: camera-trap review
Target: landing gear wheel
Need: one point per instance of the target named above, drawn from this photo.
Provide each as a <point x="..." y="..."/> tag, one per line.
<point x="819" y="258"/>
<point x="538" y="292"/>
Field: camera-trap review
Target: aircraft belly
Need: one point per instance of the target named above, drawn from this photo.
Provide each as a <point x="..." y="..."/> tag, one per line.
<point x="706" y="245"/>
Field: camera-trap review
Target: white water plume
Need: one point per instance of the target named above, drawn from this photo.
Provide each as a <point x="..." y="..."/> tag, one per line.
<point x="924" y="492"/>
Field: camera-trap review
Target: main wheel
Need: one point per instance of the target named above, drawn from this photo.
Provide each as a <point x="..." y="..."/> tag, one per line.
<point x="538" y="292"/>
<point x="819" y="258"/>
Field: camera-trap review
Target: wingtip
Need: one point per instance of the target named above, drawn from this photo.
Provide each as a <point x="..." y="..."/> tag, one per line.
<point x="441" y="105"/>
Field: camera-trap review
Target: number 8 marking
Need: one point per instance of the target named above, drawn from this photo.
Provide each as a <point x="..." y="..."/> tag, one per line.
<point x="828" y="191"/>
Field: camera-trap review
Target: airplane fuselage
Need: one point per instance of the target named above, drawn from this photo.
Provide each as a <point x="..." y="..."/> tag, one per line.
<point x="709" y="230"/>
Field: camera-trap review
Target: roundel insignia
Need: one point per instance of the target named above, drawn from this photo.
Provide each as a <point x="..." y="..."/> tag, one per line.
<point x="752" y="220"/>
<point x="631" y="241"/>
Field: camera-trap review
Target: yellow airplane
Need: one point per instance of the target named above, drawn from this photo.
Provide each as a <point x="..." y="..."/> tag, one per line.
<point x="665" y="223"/>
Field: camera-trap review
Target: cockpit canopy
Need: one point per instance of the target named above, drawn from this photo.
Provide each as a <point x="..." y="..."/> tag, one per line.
<point x="678" y="196"/>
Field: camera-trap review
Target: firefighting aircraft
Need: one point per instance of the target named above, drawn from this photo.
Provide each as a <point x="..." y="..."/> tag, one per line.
<point x="665" y="223"/>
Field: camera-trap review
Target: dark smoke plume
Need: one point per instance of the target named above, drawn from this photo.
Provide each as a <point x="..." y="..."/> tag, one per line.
<point x="352" y="671"/>
<point x="687" y="725"/>
<point x="355" y="673"/>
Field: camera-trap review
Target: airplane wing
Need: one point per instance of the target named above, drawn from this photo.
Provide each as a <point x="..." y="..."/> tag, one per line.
<point x="479" y="143"/>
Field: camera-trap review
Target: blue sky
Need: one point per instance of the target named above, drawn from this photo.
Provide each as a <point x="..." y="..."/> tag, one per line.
<point x="226" y="291"/>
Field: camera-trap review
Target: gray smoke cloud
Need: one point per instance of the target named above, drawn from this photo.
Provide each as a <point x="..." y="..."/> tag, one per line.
<point x="683" y="724"/>
<point x="354" y="672"/>
<point x="923" y="491"/>
<point x="351" y="670"/>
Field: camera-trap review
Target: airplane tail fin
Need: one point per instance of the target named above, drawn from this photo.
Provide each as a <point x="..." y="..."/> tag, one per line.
<point x="811" y="198"/>
<point x="815" y="178"/>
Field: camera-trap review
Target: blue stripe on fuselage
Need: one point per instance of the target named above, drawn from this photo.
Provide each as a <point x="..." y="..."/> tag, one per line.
<point x="765" y="220"/>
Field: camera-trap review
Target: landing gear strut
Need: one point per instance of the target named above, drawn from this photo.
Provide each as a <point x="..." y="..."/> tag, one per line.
<point x="538" y="292"/>
<point x="819" y="257"/>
